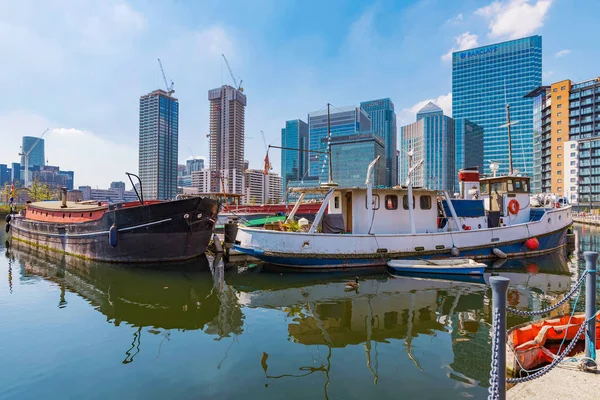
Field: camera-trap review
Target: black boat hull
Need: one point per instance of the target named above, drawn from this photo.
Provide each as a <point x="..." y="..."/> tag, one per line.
<point x="168" y="231"/>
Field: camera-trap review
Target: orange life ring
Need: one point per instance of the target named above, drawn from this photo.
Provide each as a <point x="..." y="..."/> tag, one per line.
<point x="513" y="207"/>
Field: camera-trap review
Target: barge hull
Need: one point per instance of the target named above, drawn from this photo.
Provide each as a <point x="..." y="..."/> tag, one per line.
<point x="170" y="231"/>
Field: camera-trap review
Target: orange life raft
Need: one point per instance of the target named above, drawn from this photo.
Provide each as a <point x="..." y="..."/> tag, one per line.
<point x="529" y="340"/>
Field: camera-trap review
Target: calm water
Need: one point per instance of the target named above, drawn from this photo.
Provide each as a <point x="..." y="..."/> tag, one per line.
<point x="74" y="329"/>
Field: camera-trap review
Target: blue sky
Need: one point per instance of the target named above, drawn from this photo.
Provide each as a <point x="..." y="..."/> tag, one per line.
<point x="79" y="67"/>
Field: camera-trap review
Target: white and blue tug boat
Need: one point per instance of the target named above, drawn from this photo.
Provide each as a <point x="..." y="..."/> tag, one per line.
<point x="367" y="227"/>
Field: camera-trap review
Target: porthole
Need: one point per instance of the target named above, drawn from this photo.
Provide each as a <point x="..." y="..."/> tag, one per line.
<point x="560" y="217"/>
<point x="549" y="220"/>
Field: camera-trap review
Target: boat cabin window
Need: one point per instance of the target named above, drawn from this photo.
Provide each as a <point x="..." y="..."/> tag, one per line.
<point x="391" y="202"/>
<point x="484" y="187"/>
<point x="336" y="202"/>
<point x="375" y="202"/>
<point x="425" y="202"/>
<point x="497" y="187"/>
<point x="405" y="202"/>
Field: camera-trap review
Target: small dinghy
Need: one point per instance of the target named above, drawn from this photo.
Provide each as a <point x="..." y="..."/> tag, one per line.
<point x="455" y="266"/>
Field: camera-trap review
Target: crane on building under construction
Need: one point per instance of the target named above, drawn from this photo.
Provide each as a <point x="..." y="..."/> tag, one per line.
<point x="238" y="87"/>
<point x="26" y="153"/>
<point x="169" y="88"/>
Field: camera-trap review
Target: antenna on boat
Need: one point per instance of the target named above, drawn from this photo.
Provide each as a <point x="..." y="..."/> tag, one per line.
<point x="411" y="204"/>
<point x="494" y="166"/>
<point x="330" y="183"/>
<point x="508" y="125"/>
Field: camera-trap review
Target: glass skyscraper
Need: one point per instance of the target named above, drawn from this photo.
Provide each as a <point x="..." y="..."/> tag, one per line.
<point x="294" y="163"/>
<point x="36" y="157"/>
<point x="468" y="142"/>
<point x="484" y="80"/>
<point x="344" y="121"/>
<point x="351" y="156"/>
<point x="159" y="128"/>
<point x="383" y="122"/>
<point x="431" y="139"/>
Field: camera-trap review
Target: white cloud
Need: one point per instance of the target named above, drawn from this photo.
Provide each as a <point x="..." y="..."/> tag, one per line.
<point x="563" y="53"/>
<point x="96" y="161"/>
<point x="465" y="41"/>
<point x="443" y="101"/>
<point x="514" y="18"/>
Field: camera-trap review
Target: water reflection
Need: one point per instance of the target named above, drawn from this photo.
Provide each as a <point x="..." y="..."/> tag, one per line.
<point x="393" y="329"/>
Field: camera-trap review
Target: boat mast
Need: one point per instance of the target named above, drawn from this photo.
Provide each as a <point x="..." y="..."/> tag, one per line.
<point x="510" y="163"/>
<point x="329" y="145"/>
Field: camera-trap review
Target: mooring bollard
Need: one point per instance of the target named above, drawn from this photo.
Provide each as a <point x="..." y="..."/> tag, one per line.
<point x="590" y="306"/>
<point x="499" y="290"/>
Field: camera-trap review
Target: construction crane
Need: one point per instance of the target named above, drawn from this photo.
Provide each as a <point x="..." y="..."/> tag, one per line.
<point x="25" y="156"/>
<point x="264" y="140"/>
<point x="238" y="87"/>
<point x="268" y="166"/>
<point x="169" y="88"/>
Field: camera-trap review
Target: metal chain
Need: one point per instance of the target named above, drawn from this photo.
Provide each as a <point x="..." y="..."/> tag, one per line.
<point x="557" y="360"/>
<point x="551" y="308"/>
<point x="494" y="390"/>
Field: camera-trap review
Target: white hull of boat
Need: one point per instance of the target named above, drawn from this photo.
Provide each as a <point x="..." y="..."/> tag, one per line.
<point x="334" y="251"/>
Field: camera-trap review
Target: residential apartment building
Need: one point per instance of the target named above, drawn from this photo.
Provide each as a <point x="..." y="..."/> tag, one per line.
<point x="261" y="188"/>
<point x="112" y="195"/>
<point x="202" y="180"/>
<point x="158" y="145"/>
<point x="567" y="115"/>
<point x="227" y="129"/>
<point x="484" y="80"/>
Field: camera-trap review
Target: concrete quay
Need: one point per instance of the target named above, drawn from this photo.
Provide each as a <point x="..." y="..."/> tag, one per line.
<point x="565" y="381"/>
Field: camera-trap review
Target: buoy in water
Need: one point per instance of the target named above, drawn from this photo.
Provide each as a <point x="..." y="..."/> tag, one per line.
<point x="113" y="237"/>
<point x="455" y="251"/>
<point x="532" y="243"/>
<point x="498" y="253"/>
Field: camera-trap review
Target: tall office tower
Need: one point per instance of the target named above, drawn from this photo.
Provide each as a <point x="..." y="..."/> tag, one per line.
<point x="227" y="118"/>
<point x="431" y="139"/>
<point x="159" y="131"/>
<point x="344" y="122"/>
<point x="15" y="174"/>
<point x="351" y="156"/>
<point x="36" y="156"/>
<point x="567" y="121"/>
<point x="383" y="122"/>
<point x="4" y="175"/>
<point x="468" y="143"/>
<point x="294" y="163"/>
<point x="484" y="80"/>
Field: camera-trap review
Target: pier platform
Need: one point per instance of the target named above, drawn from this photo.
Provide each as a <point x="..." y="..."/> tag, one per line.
<point x="563" y="382"/>
<point x="589" y="220"/>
